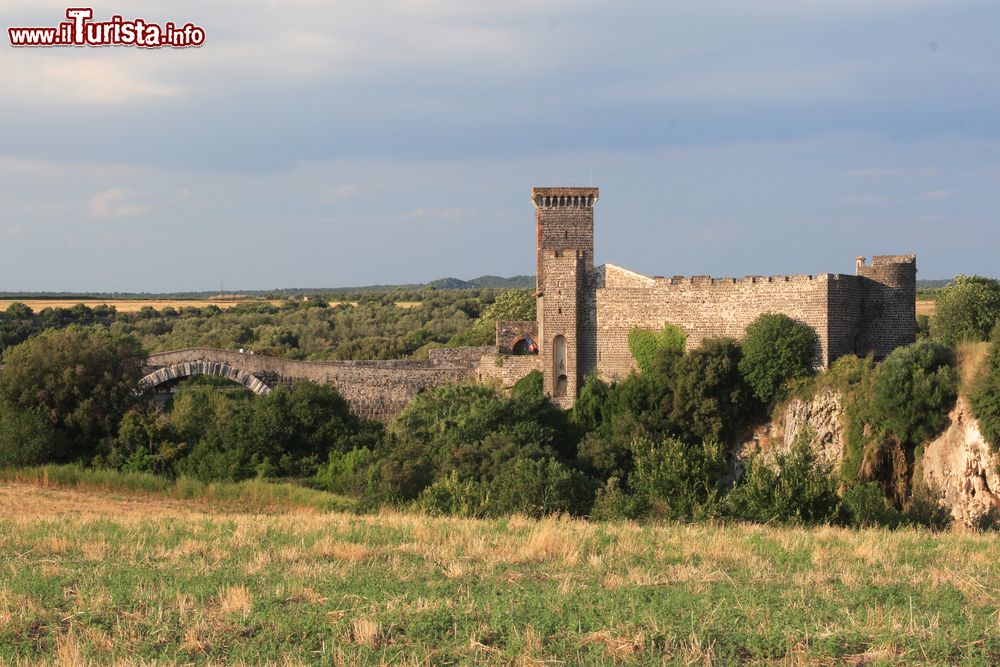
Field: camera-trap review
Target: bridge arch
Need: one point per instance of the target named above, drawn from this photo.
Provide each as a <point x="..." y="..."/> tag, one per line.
<point x="216" y="368"/>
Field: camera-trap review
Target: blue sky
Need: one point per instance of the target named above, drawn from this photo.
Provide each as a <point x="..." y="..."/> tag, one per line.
<point x="347" y="143"/>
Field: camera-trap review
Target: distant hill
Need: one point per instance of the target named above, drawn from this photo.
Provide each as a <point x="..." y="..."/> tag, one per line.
<point x="482" y="282"/>
<point x="932" y="284"/>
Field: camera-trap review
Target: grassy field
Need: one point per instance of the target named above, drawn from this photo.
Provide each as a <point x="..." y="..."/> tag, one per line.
<point x="126" y="578"/>
<point x="926" y="307"/>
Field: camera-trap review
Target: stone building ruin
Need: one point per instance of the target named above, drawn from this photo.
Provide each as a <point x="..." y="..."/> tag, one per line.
<point x="585" y="312"/>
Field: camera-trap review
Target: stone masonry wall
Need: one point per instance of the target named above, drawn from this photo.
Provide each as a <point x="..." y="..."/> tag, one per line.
<point x="375" y="389"/>
<point x="702" y="306"/>
<point x="507" y="369"/>
<point x="559" y="310"/>
<point x="565" y="221"/>
<point x="889" y="312"/>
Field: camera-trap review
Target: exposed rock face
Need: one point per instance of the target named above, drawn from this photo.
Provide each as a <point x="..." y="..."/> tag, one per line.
<point x="822" y="417"/>
<point x="961" y="465"/>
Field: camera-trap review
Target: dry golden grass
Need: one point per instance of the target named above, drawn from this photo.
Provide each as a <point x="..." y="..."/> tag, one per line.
<point x="135" y="305"/>
<point x="926" y="307"/>
<point x="91" y="577"/>
<point x="128" y="305"/>
<point x="971" y="363"/>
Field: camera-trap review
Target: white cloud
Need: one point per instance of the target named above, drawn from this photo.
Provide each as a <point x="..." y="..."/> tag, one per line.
<point x="116" y="203"/>
<point x="50" y="80"/>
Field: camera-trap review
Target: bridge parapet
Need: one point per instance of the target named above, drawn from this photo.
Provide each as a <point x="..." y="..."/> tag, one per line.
<point x="375" y="389"/>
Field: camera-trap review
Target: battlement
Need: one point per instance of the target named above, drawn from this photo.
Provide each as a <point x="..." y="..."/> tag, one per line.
<point x="710" y="281"/>
<point x="564" y="197"/>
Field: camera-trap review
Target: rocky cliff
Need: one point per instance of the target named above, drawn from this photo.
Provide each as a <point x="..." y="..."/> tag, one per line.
<point x="961" y="466"/>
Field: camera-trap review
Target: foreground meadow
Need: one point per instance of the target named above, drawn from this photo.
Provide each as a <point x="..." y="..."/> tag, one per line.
<point x="102" y="577"/>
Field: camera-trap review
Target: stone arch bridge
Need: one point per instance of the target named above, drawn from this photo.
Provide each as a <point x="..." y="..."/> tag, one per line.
<point x="375" y="389"/>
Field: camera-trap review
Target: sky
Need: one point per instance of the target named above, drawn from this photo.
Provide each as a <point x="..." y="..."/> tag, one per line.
<point x="329" y="143"/>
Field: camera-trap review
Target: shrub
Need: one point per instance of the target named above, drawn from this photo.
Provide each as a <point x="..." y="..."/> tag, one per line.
<point x="675" y="481"/>
<point x="985" y="395"/>
<point x="347" y="472"/>
<point x="776" y="349"/>
<point x="27" y="438"/>
<point x="924" y="509"/>
<point x="453" y="497"/>
<point x="866" y="506"/>
<point x="644" y="344"/>
<point x="797" y="489"/>
<point x="916" y="387"/>
<point x="473" y="430"/>
<point x="966" y="310"/>
<point x="537" y="487"/>
<point x="613" y="503"/>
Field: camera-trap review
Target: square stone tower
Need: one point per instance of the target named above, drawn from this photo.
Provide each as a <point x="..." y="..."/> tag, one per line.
<point x="565" y="218"/>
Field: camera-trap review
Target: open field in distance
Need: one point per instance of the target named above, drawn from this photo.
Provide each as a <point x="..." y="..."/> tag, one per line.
<point x="112" y="577"/>
<point x="926" y="307"/>
<point x="135" y="305"/>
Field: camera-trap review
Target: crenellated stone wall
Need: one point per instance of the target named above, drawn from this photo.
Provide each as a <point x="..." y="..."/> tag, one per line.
<point x="702" y="306"/>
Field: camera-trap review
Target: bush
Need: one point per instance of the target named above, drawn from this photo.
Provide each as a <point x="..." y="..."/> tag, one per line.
<point x="966" y="310"/>
<point x="347" y="472"/>
<point x="453" y="497"/>
<point x="866" y="506"/>
<point x="613" y="503"/>
<point x="644" y="344"/>
<point x="797" y="489"/>
<point x="675" y="481"/>
<point x="473" y="430"/>
<point x="916" y="387"/>
<point x="27" y="438"/>
<point x="536" y="487"/>
<point x="985" y="395"/>
<point x="777" y="349"/>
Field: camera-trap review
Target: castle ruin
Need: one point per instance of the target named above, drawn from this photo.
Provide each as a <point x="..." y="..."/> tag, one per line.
<point x="584" y="316"/>
<point x="585" y="313"/>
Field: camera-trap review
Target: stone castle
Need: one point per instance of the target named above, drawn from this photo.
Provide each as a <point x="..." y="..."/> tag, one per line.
<point x="585" y="312"/>
<point x="584" y="316"/>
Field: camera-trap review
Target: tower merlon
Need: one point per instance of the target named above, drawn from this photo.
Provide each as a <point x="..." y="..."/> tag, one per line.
<point x="564" y="197"/>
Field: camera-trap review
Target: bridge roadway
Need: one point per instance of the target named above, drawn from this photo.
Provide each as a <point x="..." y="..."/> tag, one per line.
<point x="375" y="389"/>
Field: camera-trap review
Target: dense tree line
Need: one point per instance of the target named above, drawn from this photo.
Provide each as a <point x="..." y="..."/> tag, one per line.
<point x="656" y="445"/>
<point x="374" y="326"/>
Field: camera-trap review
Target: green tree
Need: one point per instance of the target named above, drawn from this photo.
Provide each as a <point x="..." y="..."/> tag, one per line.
<point x="916" y="387"/>
<point x="777" y="349"/>
<point x="84" y="379"/>
<point x="516" y="305"/>
<point x="710" y="400"/>
<point x="966" y="310"/>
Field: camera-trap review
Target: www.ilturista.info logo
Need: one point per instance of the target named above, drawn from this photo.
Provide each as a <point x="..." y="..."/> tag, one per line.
<point x="80" y="30"/>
